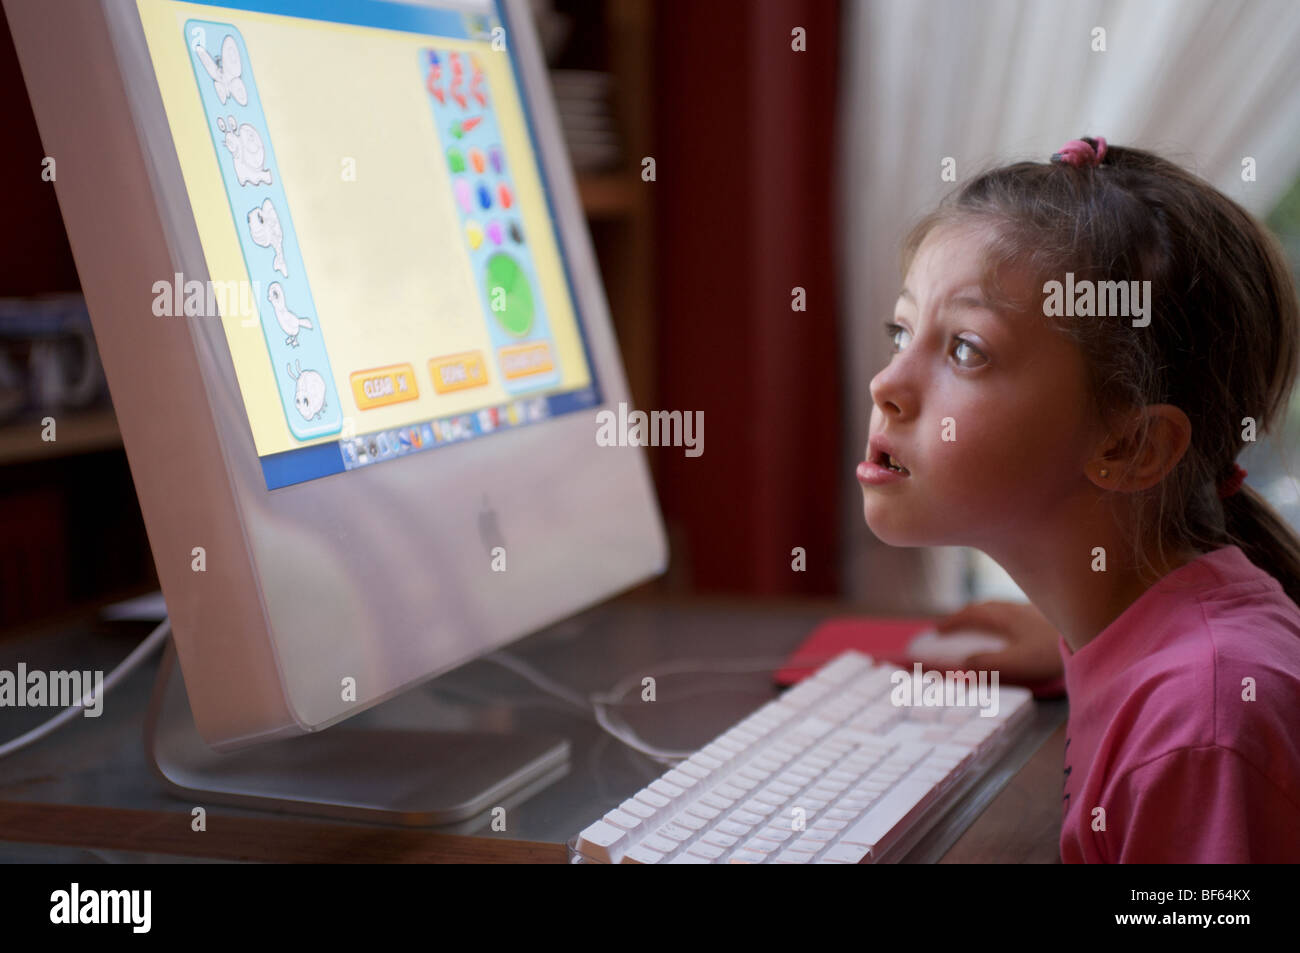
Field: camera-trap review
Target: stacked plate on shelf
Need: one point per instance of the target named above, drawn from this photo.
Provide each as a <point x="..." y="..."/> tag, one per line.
<point x="582" y="98"/>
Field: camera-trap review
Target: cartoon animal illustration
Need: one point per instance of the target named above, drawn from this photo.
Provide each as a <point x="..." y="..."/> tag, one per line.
<point x="245" y="145"/>
<point x="264" y="227"/>
<point x="309" y="397"/>
<point x="226" y="71"/>
<point x="289" y="322"/>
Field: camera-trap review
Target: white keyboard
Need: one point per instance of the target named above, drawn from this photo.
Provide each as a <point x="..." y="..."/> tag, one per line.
<point x="831" y="772"/>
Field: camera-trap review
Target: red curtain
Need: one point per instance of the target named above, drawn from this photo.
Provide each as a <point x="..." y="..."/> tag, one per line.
<point x="744" y="150"/>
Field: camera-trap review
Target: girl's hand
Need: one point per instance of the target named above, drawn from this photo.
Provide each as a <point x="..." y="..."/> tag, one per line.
<point x="1031" y="654"/>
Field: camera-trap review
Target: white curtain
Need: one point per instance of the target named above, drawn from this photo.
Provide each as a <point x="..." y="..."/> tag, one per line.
<point x="1203" y="82"/>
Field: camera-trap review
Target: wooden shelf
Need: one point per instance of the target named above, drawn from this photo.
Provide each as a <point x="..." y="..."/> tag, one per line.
<point x="608" y="195"/>
<point x="75" y="432"/>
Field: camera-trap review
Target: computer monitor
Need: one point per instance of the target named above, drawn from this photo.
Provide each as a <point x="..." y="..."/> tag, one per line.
<point x="354" y="333"/>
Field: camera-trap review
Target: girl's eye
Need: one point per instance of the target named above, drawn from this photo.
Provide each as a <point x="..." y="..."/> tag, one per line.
<point x="892" y="330"/>
<point x="969" y="346"/>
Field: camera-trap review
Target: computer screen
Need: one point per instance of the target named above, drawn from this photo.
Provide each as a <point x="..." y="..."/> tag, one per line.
<point x="381" y="252"/>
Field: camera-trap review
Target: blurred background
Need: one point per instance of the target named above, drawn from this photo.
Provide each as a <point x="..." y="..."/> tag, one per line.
<point x="778" y="168"/>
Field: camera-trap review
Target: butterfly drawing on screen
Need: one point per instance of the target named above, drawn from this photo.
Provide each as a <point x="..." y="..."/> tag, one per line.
<point x="225" y="71"/>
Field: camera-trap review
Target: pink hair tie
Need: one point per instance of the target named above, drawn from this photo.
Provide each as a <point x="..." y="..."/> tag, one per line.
<point x="1079" y="153"/>
<point x="1232" y="483"/>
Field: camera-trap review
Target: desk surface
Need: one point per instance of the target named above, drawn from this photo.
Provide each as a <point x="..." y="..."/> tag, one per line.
<point x="86" y="793"/>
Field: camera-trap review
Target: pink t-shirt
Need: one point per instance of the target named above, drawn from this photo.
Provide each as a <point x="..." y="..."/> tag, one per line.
<point x="1188" y="760"/>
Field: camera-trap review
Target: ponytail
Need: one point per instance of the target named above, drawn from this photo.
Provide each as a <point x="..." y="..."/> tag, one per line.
<point x="1265" y="537"/>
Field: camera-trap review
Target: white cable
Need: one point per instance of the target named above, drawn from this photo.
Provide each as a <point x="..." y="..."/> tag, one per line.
<point x="546" y="684"/>
<point x="597" y="702"/>
<point x="142" y="651"/>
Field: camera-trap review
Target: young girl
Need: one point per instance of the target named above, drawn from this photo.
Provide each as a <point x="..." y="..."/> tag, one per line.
<point x="1082" y="348"/>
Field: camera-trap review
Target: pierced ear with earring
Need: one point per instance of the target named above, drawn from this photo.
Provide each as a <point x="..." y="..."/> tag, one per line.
<point x="1104" y="473"/>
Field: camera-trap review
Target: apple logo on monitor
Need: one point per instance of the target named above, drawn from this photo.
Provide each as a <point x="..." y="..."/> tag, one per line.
<point x="489" y="529"/>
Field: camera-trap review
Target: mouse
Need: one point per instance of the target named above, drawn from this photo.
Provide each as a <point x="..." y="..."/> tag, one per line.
<point x="954" y="647"/>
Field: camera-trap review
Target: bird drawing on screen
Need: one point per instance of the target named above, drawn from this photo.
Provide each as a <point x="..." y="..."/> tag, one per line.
<point x="289" y="322"/>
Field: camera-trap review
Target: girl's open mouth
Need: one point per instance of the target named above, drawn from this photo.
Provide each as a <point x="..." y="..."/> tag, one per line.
<point x="881" y="468"/>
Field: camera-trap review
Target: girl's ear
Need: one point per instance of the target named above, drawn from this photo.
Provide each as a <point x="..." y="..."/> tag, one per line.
<point x="1169" y="434"/>
<point x="1143" y="453"/>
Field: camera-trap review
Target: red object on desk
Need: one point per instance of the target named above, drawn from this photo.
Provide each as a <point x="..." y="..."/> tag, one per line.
<point x="885" y="640"/>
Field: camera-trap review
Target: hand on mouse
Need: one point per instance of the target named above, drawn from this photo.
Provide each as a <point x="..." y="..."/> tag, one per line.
<point x="1031" y="655"/>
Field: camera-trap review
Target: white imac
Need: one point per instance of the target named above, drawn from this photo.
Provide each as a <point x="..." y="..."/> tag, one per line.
<point x="356" y="341"/>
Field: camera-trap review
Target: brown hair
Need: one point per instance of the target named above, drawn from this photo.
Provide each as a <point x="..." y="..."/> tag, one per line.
<point x="1224" y="333"/>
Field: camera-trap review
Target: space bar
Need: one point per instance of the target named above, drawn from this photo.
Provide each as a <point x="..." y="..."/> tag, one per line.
<point x="899" y="805"/>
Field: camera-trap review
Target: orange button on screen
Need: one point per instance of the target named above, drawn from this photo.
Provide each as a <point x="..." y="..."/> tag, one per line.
<point x="383" y="386"/>
<point x="458" y="372"/>
<point x="520" y="360"/>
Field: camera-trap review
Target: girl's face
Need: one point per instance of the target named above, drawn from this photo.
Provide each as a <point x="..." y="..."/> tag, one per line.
<point x="987" y="411"/>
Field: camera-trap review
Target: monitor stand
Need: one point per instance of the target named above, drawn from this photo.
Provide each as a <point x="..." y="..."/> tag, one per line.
<point x="405" y="777"/>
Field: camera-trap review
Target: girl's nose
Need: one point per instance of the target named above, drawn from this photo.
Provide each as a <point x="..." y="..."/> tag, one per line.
<point x="889" y="390"/>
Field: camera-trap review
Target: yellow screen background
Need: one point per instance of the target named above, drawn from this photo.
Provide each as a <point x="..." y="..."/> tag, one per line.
<point x="384" y="255"/>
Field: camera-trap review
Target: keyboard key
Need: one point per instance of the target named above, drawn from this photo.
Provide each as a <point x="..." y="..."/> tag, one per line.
<point x="637" y="809"/>
<point x="719" y="839"/>
<point x="652" y="799"/>
<point x="695" y="771"/>
<point x="641" y="854"/>
<point x="702" y="810"/>
<point x="887" y="814"/>
<point x="681" y="779"/>
<point x="661" y="844"/>
<point x="821" y="836"/>
<point x="675" y="832"/>
<point x="624" y="820"/>
<point x="692" y="822"/>
<point x="809" y="844"/>
<point x="731" y="826"/>
<point x="603" y="842"/>
<point x="816" y="727"/>
<point x="846" y="853"/>
<point x="707" y="851"/>
<point x="666" y="788"/>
